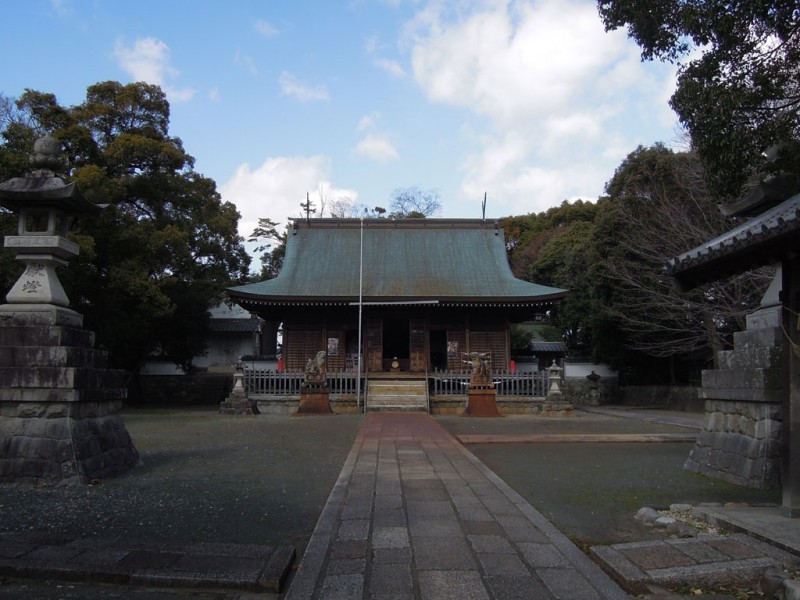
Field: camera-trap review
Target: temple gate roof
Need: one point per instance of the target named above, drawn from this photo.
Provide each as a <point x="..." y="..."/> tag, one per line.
<point x="765" y="239"/>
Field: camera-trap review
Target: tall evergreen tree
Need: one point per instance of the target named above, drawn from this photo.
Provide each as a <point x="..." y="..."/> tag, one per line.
<point x="160" y="255"/>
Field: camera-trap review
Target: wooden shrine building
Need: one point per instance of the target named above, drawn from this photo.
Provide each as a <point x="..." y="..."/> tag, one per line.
<point x="428" y="290"/>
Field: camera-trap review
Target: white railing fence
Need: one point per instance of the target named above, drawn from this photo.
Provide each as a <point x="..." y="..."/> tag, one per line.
<point x="534" y="384"/>
<point x="440" y="383"/>
<point x="289" y="384"/>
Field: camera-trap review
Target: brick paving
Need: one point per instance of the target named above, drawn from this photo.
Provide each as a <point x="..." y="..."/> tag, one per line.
<point x="414" y="515"/>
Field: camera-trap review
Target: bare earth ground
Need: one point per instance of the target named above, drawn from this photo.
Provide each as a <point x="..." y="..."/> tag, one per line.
<point x="265" y="479"/>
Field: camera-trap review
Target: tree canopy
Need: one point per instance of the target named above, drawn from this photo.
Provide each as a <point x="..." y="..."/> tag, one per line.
<point x="738" y="90"/>
<point x="155" y="260"/>
<point x="414" y="203"/>
<point x="623" y="308"/>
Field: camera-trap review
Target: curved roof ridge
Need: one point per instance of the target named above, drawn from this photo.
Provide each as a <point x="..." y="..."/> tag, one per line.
<point x="411" y="259"/>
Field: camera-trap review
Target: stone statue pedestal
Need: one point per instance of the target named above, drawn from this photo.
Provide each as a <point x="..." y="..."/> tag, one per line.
<point x="59" y="403"/>
<point x="314" y="399"/>
<point x="481" y="401"/>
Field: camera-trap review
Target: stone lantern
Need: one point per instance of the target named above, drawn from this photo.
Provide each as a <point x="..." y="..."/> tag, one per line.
<point x="44" y="202"/>
<point x="59" y="401"/>
<point x="555" y="405"/>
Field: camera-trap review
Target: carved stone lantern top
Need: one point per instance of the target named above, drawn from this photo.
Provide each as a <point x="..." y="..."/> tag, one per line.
<point x="43" y="188"/>
<point x="43" y="201"/>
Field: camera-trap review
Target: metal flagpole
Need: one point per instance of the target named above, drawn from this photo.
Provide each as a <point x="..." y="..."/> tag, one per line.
<point x="360" y="309"/>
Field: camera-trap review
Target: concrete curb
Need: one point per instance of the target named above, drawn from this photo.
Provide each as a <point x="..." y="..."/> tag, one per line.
<point x="206" y="565"/>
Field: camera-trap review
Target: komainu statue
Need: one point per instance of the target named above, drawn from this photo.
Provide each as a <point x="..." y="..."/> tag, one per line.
<point x="481" y="367"/>
<point x="315" y="368"/>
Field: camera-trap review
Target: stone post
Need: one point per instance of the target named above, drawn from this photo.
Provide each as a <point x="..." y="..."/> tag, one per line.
<point x="58" y="401"/>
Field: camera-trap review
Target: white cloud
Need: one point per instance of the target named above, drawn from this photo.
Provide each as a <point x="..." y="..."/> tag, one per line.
<point x="148" y="60"/>
<point x="373" y="46"/>
<point x="377" y="147"/>
<point x="278" y="186"/>
<point x="375" y="144"/>
<point x="290" y="86"/>
<point x="246" y="61"/>
<point x="392" y="67"/>
<point x="61" y="7"/>
<point x="552" y="89"/>
<point x="214" y="95"/>
<point x="266" y="29"/>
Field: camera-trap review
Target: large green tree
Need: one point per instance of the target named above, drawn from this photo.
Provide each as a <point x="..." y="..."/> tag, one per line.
<point x="738" y="91"/>
<point x="559" y="247"/>
<point x="160" y="255"/>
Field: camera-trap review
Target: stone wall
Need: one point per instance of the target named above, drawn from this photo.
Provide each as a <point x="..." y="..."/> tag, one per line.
<point x="584" y="392"/>
<point x="674" y="397"/>
<point x="442" y="405"/>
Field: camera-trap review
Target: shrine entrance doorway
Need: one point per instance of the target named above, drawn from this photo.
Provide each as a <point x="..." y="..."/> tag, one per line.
<point x="438" y="346"/>
<point x="396" y="346"/>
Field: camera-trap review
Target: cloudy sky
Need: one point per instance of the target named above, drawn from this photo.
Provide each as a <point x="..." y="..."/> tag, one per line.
<point x="528" y="101"/>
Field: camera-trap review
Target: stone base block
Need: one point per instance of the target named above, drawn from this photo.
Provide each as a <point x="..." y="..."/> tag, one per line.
<point x="59" y="404"/>
<point x="39" y="315"/>
<point x="740" y="443"/>
<point x="63" y="443"/>
<point x="238" y="405"/>
<point x="481" y="402"/>
<point x="314" y="401"/>
<point x="556" y="405"/>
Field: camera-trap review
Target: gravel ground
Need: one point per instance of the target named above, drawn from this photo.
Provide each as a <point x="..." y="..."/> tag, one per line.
<point x="265" y="480"/>
<point x="204" y="477"/>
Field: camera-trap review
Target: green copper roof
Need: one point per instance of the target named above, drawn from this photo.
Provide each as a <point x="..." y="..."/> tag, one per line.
<point x="404" y="260"/>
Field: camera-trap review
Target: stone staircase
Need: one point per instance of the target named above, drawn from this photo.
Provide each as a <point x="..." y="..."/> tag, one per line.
<point x="409" y="395"/>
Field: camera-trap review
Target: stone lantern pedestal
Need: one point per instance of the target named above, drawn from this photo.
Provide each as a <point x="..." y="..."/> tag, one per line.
<point x="481" y="393"/>
<point x="58" y="400"/>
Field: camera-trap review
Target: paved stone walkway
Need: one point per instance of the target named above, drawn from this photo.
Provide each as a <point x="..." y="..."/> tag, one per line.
<point x="414" y="515"/>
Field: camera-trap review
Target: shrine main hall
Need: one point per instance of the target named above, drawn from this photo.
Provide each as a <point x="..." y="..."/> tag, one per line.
<point x="425" y="292"/>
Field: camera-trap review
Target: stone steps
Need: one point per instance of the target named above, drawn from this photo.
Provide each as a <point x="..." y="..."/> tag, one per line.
<point x="408" y="395"/>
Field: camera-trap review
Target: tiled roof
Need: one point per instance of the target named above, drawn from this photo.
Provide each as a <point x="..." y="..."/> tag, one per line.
<point x="411" y="260"/>
<point x="548" y="347"/>
<point x="765" y="239"/>
<point x="235" y="325"/>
